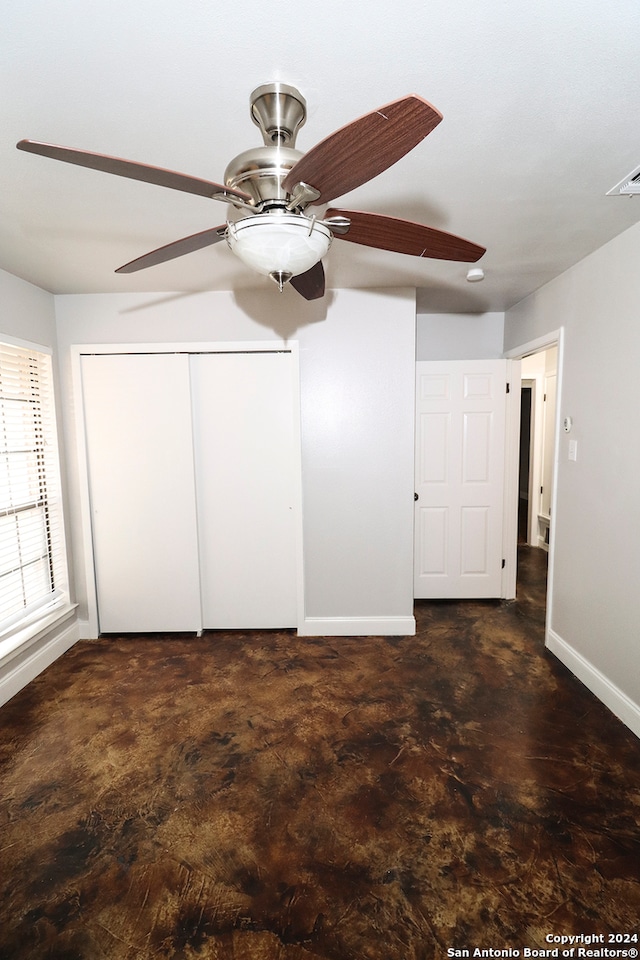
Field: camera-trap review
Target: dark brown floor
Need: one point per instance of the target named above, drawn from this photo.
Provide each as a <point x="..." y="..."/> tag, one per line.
<point x="255" y="796"/>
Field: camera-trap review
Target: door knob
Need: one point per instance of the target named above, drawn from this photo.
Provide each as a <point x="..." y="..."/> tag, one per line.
<point x="415" y="496"/>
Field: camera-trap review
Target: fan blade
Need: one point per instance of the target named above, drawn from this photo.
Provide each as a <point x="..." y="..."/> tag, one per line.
<point x="310" y="285"/>
<point x="176" y="249"/>
<point x="405" y="236"/>
<point x="133" y="170"/>
<point x="364" y="148"/>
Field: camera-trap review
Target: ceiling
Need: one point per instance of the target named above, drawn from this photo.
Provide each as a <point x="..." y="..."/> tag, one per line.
<point x="541" y="118"/>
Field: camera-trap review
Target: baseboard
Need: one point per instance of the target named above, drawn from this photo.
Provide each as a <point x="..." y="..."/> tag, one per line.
<point x="357" y="627"/>
<point x="87" y="630"/>
<point x="37" y="655"/>
<point x="618" y="702"/>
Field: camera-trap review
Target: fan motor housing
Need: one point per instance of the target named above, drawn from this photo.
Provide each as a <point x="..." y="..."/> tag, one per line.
<point x="260" y="172"/>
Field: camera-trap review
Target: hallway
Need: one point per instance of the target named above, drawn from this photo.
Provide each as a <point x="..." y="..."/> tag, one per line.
<point x="258" y="796"/>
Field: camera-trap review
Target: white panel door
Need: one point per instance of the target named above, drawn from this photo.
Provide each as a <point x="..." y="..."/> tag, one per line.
<point x="460" y="443"/>
<point x="140" y="458"/>
<point x="247" y="468"/>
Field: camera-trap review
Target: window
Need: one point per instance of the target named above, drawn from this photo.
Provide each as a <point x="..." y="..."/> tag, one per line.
<point x="32" y="556"/>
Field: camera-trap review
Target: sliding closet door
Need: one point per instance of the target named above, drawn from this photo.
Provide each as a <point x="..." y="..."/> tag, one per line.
<point x="140" y="457"/>
<point x="246" y="470"/>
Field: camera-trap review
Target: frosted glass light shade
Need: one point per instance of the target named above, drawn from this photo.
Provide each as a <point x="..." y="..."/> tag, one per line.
<point x="274" y="243"/>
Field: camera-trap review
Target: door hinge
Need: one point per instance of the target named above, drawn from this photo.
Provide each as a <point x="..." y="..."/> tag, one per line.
<point x="544" y="399"/>
<point x="541" y="489"/>
<point x="504" y="563"/>
<point x="508" y="388"/>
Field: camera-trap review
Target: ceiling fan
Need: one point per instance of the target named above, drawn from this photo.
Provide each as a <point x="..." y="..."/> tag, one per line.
<point x="270" y="188"/>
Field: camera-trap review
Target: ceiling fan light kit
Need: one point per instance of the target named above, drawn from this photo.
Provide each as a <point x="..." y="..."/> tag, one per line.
<point x="279" y="245"/>
<point x="269" y="189"/>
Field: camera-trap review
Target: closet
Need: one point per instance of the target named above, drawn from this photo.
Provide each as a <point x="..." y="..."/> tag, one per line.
<point x="193" y="473"/>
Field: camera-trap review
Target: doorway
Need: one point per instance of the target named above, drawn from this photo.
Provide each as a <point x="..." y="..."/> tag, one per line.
<point x="524" y="463"/>
<point x="541" y="373"/>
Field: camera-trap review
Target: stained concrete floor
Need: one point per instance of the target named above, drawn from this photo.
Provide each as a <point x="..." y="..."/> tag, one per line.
<point x="258" y="796"/>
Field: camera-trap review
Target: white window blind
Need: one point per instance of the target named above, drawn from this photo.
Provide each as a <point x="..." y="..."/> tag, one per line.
<point x="32" y="556"/>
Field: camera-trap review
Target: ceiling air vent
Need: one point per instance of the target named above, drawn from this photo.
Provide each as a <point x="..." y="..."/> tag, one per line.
<point x="627" y="187"/>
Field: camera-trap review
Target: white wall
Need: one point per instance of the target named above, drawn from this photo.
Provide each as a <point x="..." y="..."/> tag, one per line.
<point x="26" y="312"/>
<point x="593" y="623"/>
<point x="357" y="354"/>
<point x="459" y="336"/>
